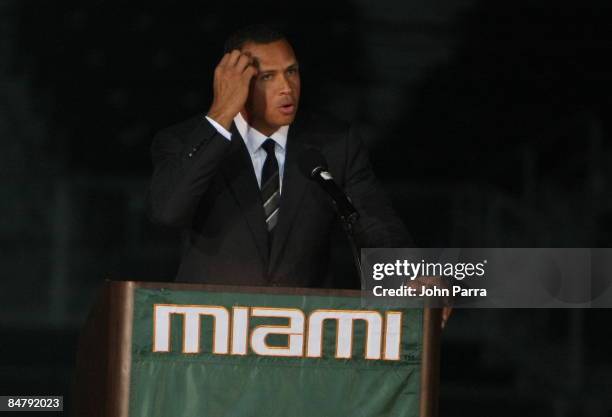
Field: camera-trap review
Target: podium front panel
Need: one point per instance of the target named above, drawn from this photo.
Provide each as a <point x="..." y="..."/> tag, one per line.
<point x="234" y="353"/>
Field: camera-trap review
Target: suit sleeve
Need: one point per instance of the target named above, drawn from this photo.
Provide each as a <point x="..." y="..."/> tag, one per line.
<point x="379" y="225"/>
<point x="183" y="167"/>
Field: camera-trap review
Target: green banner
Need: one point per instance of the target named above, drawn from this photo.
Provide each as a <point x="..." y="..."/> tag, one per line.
<point x="221" y="354"/>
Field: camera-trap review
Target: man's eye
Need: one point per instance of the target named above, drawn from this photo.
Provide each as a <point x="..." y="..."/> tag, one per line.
<point x="266" y="77"/>
<point x="292" y="71"/>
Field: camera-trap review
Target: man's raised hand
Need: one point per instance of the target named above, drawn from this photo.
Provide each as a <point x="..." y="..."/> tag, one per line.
<point x="231" y="86"/>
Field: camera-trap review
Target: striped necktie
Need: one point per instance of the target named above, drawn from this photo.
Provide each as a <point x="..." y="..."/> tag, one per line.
<point x="270" y="186"/>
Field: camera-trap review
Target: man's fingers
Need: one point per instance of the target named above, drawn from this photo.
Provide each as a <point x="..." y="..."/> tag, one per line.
<point x="233" y="57"/>
<point x="243" y="62"/>
<point x="224" y="60"/>
<point x="446" y="312"/>
<point x="252" y="70"/>
<point x="249" y="72"/>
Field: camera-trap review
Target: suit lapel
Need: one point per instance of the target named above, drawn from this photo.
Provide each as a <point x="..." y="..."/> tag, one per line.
<point x="294" y="185"/>
<point x="238" y="171"/>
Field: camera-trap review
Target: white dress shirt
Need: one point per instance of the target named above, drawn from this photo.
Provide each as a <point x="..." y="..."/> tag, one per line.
<point x="253" y="139"/>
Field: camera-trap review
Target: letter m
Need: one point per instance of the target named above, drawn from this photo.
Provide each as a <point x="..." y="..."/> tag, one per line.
<point x="191" y="327"/>
<point x="344" y="337"/>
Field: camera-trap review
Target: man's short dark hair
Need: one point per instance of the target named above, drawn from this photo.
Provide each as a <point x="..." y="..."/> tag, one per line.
<point x="254" y="33"/>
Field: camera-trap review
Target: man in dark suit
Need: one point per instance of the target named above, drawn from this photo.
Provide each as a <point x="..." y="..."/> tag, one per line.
<point x="230" y="178"/>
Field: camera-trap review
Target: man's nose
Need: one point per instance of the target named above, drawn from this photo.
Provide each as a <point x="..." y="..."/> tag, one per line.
<point x="285" y="85"/>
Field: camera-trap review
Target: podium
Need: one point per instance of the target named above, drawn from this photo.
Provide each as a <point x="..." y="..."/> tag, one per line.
<point x="170" y="349"/>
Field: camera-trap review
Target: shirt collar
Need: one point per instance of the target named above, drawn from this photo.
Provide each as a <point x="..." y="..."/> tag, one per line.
<point x="253" y="139"/>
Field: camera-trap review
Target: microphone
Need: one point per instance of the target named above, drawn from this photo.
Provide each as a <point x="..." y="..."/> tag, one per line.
<point x="313" y="165"/>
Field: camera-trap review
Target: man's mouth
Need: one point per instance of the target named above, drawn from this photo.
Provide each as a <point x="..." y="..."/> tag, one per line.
<point x="287" y="109"/>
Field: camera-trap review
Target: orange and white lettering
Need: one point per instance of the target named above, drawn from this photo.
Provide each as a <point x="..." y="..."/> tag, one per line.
<point x="240" y="330"/>
<point x="191" y="327"/>
<point x="344" y="333"/>
<point x="295" y="332"/>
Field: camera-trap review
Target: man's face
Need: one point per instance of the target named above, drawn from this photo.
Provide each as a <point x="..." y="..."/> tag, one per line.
<point x="275" y="90"/>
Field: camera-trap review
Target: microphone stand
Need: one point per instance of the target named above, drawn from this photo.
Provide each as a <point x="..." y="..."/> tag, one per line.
<point x="346" y="212"/>
<point x="348" y="220"/>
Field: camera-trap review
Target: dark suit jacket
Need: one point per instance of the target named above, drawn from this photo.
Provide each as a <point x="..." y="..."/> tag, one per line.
<point x="206" y="185"/>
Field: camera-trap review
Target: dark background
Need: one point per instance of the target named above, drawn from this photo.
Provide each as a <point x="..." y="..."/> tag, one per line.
<point x="488" y="123"/>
